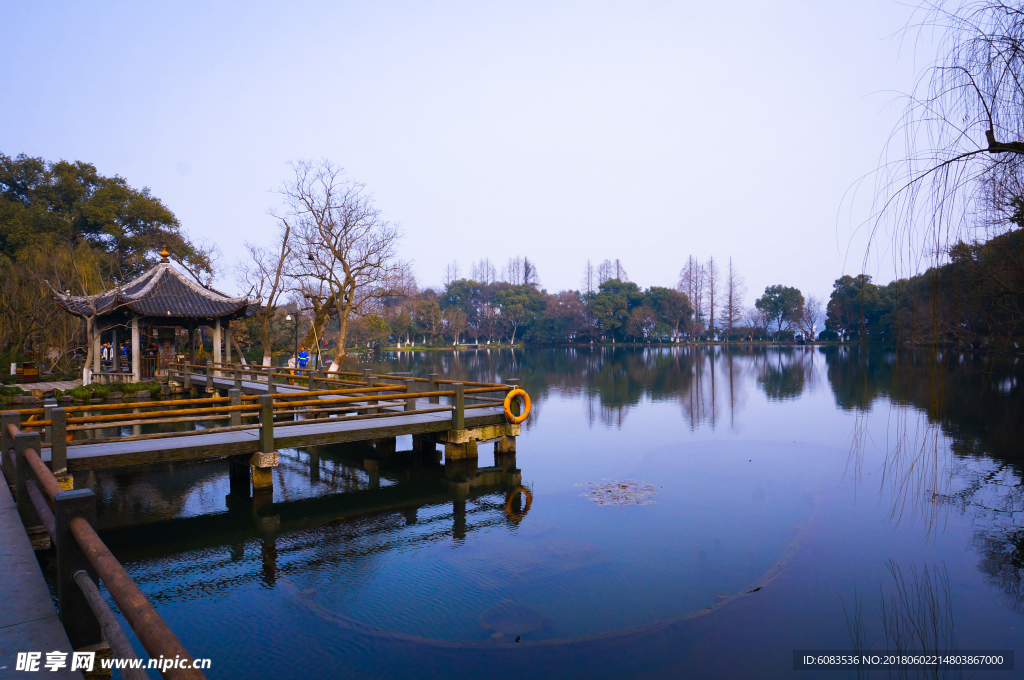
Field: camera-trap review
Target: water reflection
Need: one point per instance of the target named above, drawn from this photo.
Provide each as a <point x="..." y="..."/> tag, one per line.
<point x="361" y="542"/>
<point x="957" y="421"/>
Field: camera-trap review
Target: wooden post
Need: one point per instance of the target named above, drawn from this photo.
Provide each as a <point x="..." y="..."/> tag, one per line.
<point x="209" y="375"/>
<point x="514" y="407"/>
<point x="7" y="443"/>
<point x="369" y="383"/>
<point x="22" y="473"/>
<point x="238" y="378"/>
<point x="265" y="460"/>
<point x="47" y="409"/>
<point x="271" y="383"/>
<point x="79" y="622"/>
<point x="59" y="447"/>
<point x="187" y="379"/>
<point x="459" y="402"/>
<point x="311" y="381"/>
<point x="410" y="389"/>
<point x="266" y="423"/>
<point x="432" y="387"/>
<point x="235" y="417"/>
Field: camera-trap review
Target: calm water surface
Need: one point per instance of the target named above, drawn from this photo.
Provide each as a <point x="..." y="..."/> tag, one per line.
<point x="753" y="502"/>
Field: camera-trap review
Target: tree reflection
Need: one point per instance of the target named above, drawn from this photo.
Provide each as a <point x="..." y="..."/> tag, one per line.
<point x="956" y="422"/>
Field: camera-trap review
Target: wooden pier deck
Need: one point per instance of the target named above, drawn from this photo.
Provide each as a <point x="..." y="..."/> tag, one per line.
<point x="313" y="432"/>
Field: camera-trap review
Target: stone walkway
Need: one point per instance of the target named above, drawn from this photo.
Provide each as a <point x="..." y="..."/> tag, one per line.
<point x="50" y="386"/>
<point x="28" y="619"/>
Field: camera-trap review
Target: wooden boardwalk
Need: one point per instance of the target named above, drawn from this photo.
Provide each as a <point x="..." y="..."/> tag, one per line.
<point x="313" y="432"/>
<point x="287" y="434"/>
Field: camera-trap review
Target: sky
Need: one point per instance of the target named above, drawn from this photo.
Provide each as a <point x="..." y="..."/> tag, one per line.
<point x="559" y="131"/>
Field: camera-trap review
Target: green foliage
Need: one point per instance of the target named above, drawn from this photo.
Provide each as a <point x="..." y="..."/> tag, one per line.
<point x="612" y="304"/>
<point x="853" y="304"/>
<point x="781" y="304"/>
<point x="70" y="202"/>
<point x="464" y="295"/>
<point x="100" y="391"/>
<point x="671" y="308"/>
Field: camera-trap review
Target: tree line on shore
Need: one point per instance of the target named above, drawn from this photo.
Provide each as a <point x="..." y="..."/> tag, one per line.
<point x="333" y="267"/>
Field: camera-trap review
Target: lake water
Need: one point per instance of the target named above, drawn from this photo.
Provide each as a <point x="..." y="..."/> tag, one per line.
<point x="693" y="513"/>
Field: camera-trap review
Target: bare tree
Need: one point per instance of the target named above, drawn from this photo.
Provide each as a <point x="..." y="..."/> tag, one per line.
<point x="451" y="272"/>
<point x="732" y="303"/>
<point x="513" y="272"/>
<point x="484" y="272"/>
<point x="692" y="282"/>
<point x="455" y="322"/>
<point x="620" y="271"/>
<point x="587" y="282"/>
<point x="712" y="282"/>
<point x="342" y="242"/>
<point x="810" y="316"/>
<point x="605" y="272"/>
<point x="264" y="274"/>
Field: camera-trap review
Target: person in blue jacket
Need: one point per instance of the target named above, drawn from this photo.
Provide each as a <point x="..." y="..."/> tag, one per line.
<point x="303" y="358"/>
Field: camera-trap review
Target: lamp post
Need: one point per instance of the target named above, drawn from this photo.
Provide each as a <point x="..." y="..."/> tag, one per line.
<point x="296" y="355"/>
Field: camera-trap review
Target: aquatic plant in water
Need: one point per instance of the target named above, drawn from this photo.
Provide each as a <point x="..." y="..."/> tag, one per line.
<point x="620" y="492"/>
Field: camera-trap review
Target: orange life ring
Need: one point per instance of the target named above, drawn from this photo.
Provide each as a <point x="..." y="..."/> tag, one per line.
<point x="511" y="497"/>
<point x="508" y="405"/>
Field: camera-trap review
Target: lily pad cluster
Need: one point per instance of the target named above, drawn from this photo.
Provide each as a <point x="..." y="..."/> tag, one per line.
<point x="620" y="492"/>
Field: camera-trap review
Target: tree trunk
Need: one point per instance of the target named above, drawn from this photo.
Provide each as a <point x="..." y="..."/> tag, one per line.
<point x="339" y="356"/>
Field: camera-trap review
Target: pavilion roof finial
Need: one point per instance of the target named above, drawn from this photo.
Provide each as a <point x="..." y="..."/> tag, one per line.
<point x="164" y="255"/>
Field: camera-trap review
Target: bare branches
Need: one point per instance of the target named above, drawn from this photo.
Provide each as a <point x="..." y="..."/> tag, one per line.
<point x="343" y="249"/>
<point x="961" y="133"/>
<point x="265" y="276"/>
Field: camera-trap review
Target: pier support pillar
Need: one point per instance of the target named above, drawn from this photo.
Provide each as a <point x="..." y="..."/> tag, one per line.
<point x="314" y="466"/>
<point x="423" y="444"/>
<point x="506" y="444"/>
<point x="372" y="467"/>
<point x="239" y="475"/>
<point x="262" y="467"/>
<point x="385" y="446"/>
<point x="459" y="518"/>
<point x="460" y="451"/>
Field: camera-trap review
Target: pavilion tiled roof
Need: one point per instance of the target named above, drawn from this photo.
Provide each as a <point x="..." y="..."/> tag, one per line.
<point x="163" y="291"/>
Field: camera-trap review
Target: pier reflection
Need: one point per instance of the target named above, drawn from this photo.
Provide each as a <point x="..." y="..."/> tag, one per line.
<point x="340" y="492"/>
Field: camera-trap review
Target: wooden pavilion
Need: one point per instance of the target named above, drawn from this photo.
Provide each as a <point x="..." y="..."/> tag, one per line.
<point x="151" y="308"/>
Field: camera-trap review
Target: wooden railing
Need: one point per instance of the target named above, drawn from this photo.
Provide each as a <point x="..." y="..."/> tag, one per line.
<point x="369" y="398"/>
<point x="69" y="519"/>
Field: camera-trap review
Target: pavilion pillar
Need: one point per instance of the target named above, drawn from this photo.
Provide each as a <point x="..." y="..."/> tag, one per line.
<point x="136" y="356"/>
<point x="116" y="356"/>
<point x="191" y="346"/>
<point x="216" y="343"/>
<point x="227" y="342"/>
